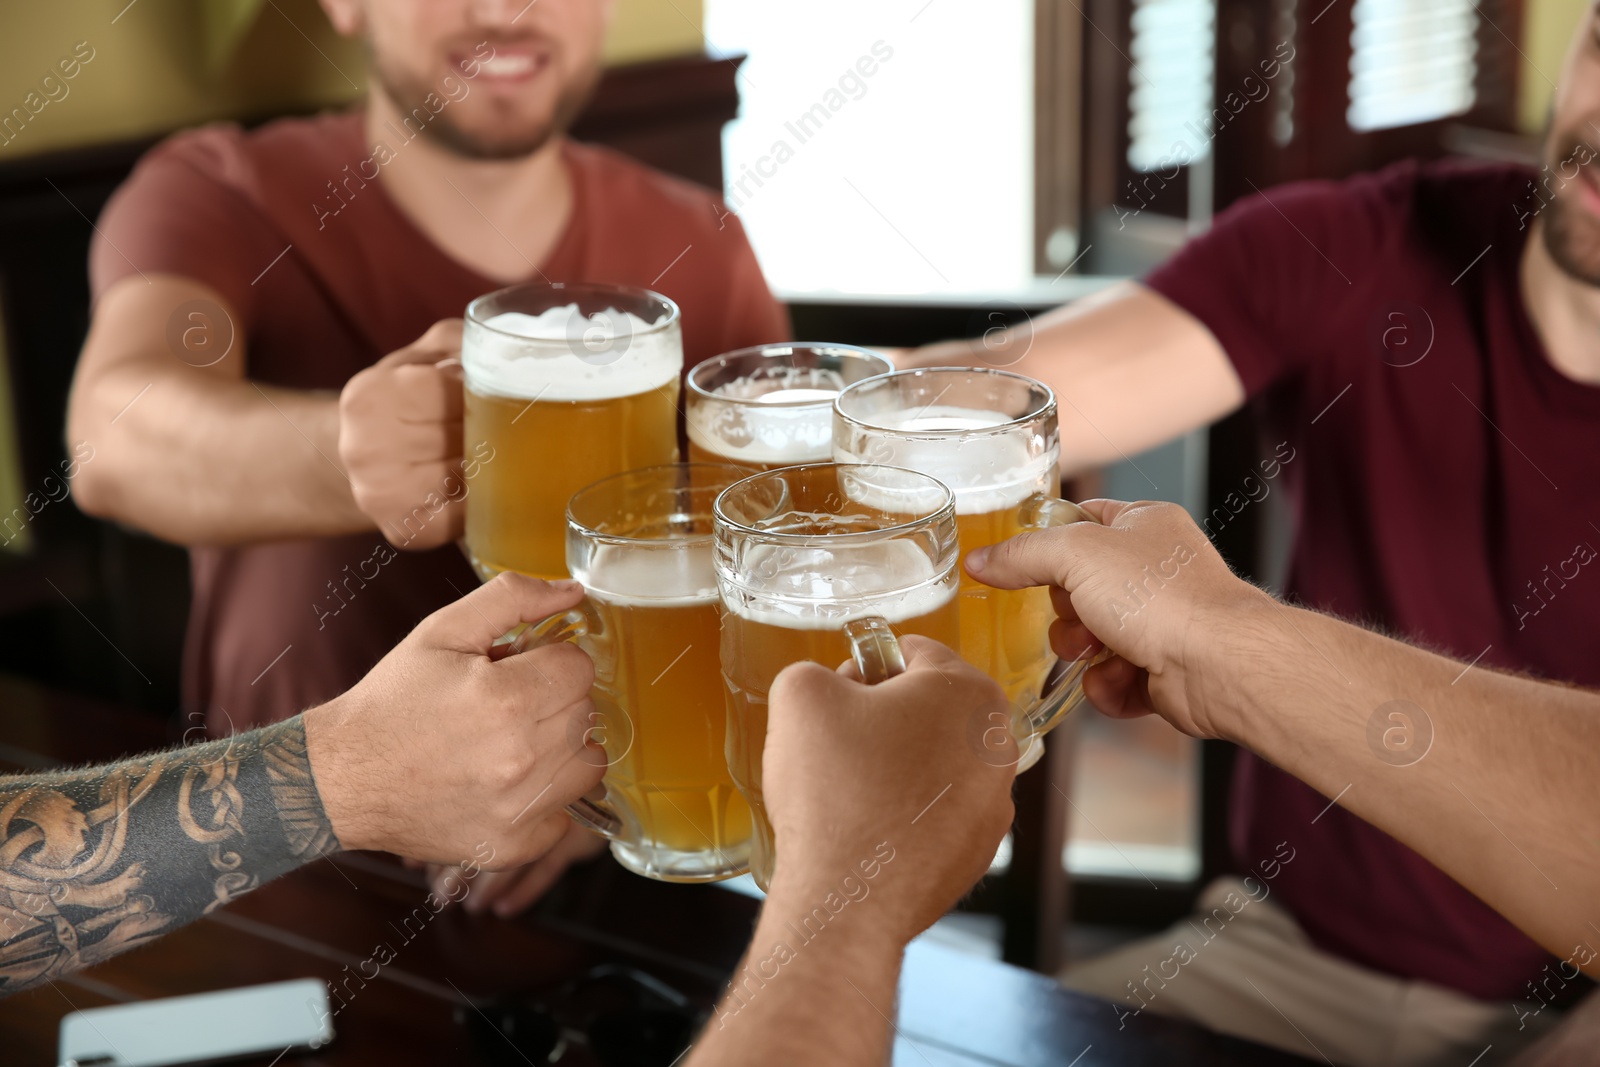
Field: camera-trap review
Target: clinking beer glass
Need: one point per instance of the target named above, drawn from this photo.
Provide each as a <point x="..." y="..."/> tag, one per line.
<point x="641" y="544"/>
<point x="566" y="384"/>
<point x="990" y="436"/>
<point x="772" y="406"/>
<point x="824" y="562"/>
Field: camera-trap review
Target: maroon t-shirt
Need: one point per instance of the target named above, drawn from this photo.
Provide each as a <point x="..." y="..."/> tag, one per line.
<point x="320" y="295"/>
<point x="1446" y="480"/>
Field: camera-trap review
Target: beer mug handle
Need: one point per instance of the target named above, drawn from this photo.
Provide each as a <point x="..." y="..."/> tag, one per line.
<point x="552" y="631"/>
<point x="874" y="649"/>
<point x="596" y="815"/>
<point x="1042" y="513"/>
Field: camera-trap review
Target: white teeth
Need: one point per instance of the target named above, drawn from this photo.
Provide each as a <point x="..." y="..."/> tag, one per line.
<point x="507" y="66"/>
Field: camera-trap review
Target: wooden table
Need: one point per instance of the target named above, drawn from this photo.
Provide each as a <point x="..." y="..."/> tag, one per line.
<point x="324" y="920"/>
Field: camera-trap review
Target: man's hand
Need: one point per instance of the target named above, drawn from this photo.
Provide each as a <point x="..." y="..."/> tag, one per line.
<point x="887" y="807"/>
<point x="449" y="750"/>
<point x="400" y="440"/>
<point x="886" y="778"/>
<point x="1146" y="583"/>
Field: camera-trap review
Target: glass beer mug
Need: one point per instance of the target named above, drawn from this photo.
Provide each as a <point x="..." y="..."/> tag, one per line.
<point x="824" y="562"/>
<point x="772" y="406"/>
<point x="990" y="436"/>
<point x="565" y="384"/>
<point x="641" y="544"/>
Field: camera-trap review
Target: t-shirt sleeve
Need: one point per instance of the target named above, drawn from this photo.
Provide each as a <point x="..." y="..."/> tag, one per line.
<point x="755" y="317"/>
<point x="1274" y="264"/>
<point x="179" y="213"/>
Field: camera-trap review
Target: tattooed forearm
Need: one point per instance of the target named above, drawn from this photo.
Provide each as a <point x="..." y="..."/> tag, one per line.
<point x="97" y="861"/>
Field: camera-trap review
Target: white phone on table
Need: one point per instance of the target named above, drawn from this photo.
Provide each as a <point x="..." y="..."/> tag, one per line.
<point x="271" y="1019"/>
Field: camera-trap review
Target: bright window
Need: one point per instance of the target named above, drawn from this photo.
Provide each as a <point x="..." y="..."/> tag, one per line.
<point x="1170" y="79"/>
<point x="882" y="147"/>
<point x="1411" y="61"/>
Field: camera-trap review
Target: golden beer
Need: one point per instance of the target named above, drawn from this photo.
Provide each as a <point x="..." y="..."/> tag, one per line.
<point x="755" y="647"/>
<point x="804" y="555"/>
<point x="991" y="437"/>
<point x="1004" y="632"/>
<point x="662" y="719"/>
<point x="772" y="406"/>
<point x="565" y="385"/>
<point x="641" y="544"/>
<point x="543" y="452"/>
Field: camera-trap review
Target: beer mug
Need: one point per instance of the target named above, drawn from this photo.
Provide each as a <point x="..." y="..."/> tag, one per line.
<point x="772" y="406"/>
<point x="565" y="385"/>
<point x="824" y="562"/>
<point x="990" y="436"/>
<point x="641" y="544"/>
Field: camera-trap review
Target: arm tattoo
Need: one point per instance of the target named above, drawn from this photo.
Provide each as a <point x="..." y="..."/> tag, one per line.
<point x="100" y="860"/>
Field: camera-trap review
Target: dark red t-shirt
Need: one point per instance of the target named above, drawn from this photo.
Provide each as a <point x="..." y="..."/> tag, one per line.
<point x="277" y="627"/>
<point x="1446" y="483"/>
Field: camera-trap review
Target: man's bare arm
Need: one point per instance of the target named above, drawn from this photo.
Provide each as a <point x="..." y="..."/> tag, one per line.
<point x="829" y="1003"/>
<point x="448" y="750"/>
<point x="187" y="448"/>
<point x="887" y="813"/>
<point x="1130" y="370"/>
<point x="96" y="862"/>
<point x="1494" y="778"/>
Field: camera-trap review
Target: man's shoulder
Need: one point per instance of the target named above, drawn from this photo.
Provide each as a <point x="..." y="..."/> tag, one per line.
<point x="1406" y="188"/>
<point x="226" y="154"/>
<point x="638" y="191"/>
<point x="1447" y="211"/>
<point x="216" y="151"/>
<point x="218" y="196"/>
<point x="1452" y="185"/>
<point x="1450" y="198"/>
<point x="1407" y="207"/>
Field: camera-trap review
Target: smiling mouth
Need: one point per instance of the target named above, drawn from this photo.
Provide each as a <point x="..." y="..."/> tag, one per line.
<point x="508" y="65"/>
<point x="1589" y="189"/>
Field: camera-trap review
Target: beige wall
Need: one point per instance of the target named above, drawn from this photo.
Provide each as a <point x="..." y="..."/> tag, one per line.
<point x="650" y="29"/>
<point x="1547" y="28"/>
<point x="153" y="69"/>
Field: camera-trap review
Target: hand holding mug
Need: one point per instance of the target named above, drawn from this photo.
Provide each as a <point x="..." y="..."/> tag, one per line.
<point x="400" y="440"/>
<point x="448" y="747"/>
<point x="884" y="779"/>
<point x="1143" y="582"/>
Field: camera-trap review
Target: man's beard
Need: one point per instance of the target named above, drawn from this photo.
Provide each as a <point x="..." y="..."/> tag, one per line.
<point x="1572" y="234"/>
<point x="408" y="96"/>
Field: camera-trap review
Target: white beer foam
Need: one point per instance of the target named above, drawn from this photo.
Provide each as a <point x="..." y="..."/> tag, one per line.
<point x="986" y="473"/>
<point x="781" y="426"/>
<point x="822" y="588"/>
<point x="681" y="576"/>
<point x="621" y="355"/>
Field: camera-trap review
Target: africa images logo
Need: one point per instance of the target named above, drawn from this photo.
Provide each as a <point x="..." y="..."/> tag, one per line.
<point x="1399" y="733"/>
